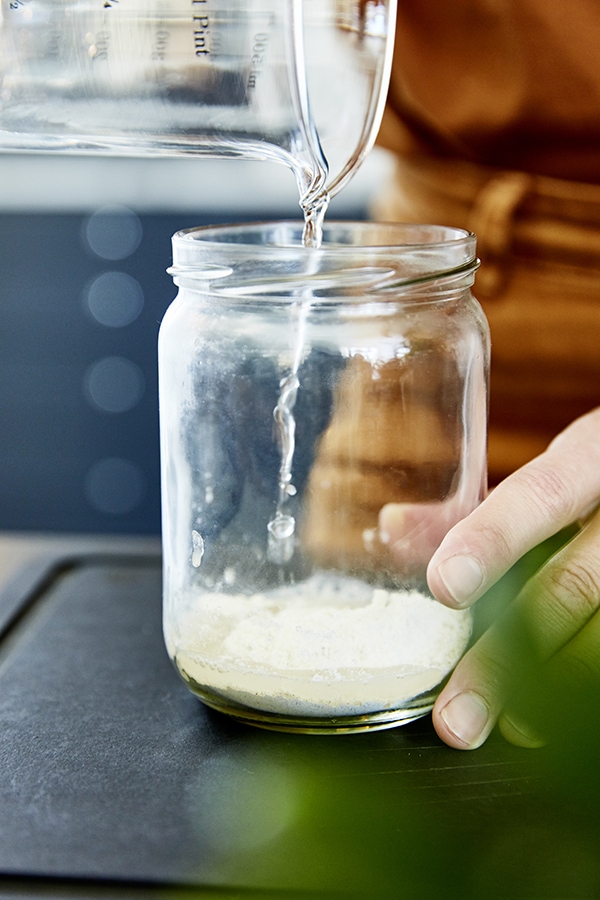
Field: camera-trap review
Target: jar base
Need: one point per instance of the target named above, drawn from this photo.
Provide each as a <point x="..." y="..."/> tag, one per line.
<point x="373" y="721"/>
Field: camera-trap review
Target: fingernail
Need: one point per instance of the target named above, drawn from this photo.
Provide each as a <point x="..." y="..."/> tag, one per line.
<point x="462" y="577"/>
<point x="467" y="716"/>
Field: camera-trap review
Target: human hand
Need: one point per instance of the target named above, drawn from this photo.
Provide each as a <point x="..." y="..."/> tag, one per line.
<point x="413" y="531"/>
<point x="549" y="636"/>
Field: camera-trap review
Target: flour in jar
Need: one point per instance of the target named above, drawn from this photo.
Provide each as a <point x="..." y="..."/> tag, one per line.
<point x="331" y="645"/>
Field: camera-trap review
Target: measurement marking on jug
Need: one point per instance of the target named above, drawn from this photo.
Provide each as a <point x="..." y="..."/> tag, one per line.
<point x="161" y="44"/>
<point x="259" y="47"/>
<point x="98" y="50"/>
<point x="201" y="28"/>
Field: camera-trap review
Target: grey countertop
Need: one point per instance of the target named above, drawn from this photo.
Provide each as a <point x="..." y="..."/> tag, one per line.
<point x="20" y="549"/>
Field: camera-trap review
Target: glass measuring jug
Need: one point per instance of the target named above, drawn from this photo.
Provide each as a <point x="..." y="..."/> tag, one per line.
<point x="300" y="81"/>
<point x="323" y="424"/>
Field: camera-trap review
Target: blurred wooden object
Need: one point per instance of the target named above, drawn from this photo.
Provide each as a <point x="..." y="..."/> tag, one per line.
<point x="393" y="438"/>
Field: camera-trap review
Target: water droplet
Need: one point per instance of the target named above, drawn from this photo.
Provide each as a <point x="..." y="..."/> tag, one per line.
<point x="280" y="547"/>
<point x="197" y="548"/>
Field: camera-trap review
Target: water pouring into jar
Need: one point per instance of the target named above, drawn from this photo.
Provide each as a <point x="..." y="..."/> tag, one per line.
<point x="311" y="374"/>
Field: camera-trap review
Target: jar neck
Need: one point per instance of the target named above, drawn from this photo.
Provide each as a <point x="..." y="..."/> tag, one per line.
<point x="362" y="288"/>
<point x="357" y="262"/>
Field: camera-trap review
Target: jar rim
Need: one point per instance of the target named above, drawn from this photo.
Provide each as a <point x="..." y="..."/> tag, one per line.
<point x="400" y="235"/>
<point x="268" y="258"/>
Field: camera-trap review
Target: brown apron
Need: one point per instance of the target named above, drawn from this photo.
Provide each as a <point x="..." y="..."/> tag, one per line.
<point x="539" y="285"/>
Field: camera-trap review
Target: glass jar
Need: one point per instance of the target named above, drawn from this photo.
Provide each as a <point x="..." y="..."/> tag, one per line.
<point x="323" y="424"/>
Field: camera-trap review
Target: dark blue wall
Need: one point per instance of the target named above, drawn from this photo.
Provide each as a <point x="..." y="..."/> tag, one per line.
<point x="78" y="383"/>
<point x="78" y="443"/>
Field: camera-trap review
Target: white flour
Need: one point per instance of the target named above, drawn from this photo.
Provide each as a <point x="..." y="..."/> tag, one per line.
<point x="327" y="646"/>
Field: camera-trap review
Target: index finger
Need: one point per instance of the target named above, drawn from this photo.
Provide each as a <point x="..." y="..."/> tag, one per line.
<point x="553" y="618"/>
<point x="537" y="501"/>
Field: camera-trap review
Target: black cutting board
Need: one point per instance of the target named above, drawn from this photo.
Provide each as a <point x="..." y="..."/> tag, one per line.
<point x="114" y="777"/>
